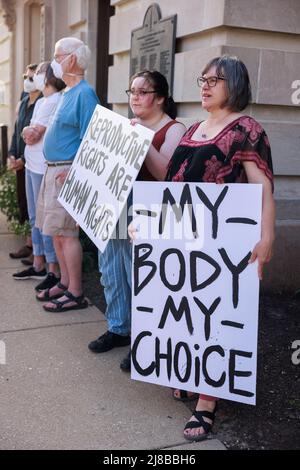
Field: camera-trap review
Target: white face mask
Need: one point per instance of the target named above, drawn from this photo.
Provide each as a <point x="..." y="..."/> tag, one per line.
<point x="29" y="86"/>
<point x="39" y="81"/>
<point x="57" y="68"/>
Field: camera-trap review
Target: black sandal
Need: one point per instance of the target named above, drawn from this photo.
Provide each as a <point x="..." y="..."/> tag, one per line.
<point x="81" y="303"/>
<point x="47" y="296"/>
<point x="200" y="423"/>
<point x="183" y="396"/>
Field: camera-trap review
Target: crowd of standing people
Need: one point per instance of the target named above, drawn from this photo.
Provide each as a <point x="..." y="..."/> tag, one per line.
<point x="54" y="112"/>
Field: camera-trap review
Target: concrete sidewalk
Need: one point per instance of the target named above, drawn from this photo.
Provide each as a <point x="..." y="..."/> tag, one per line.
<point x="56" y="394"/>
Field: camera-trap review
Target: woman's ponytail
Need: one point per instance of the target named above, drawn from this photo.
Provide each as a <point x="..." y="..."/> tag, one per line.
<point x="170" y="107"/>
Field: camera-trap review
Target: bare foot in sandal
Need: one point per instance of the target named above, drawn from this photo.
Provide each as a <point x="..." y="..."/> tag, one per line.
<point x="66" y="302"/>
<point x="201" y="422"/>
<point x="52" y="293"/>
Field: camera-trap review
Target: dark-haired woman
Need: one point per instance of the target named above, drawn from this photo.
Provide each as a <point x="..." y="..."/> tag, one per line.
<point x="33" y="134"/>
<point x="227" y="147"/>
<point x="153" y="108"/>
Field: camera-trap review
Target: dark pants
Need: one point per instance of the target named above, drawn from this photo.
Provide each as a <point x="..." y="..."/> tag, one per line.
<point x="21" y="196"/>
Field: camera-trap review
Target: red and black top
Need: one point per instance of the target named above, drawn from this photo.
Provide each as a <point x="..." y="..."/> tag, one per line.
<point x="158" y="140"/>
<point x="219" y="160"/>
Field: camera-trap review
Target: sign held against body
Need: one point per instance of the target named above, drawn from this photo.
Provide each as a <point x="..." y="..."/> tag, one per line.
<point x="195" y="297"/>
<point x="101" y="177"/>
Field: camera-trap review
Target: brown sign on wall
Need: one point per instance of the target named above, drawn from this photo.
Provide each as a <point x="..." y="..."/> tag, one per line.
<point x="153" y="45"/>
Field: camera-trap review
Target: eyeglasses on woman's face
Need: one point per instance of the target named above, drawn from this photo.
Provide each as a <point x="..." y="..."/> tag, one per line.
<point x="211" y="81"/>
<point x="139" y="93"/>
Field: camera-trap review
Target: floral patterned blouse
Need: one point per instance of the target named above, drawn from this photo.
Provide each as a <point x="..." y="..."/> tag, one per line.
<point x="219" y="160"/>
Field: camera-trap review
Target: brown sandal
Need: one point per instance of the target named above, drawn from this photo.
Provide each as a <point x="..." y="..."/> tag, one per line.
<point x="47" y="296"/>
<point x="60" y="305"/>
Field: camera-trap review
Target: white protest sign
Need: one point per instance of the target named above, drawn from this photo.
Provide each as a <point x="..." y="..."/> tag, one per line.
<point x="195" y="297"/>
<point x="101" y="177"/>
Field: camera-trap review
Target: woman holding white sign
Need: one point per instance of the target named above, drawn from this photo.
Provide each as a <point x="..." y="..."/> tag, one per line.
<point x="155" y="109"/>
<point x="227" y="147"/>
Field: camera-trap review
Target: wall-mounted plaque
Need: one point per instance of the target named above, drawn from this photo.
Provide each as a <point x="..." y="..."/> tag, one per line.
<point x="153" y="45"/>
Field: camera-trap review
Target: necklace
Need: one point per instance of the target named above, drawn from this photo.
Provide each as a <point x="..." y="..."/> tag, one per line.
<point x="204" y="135"/>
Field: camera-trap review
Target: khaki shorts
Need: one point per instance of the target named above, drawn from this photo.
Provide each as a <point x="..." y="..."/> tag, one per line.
<point x="51" y="217"/>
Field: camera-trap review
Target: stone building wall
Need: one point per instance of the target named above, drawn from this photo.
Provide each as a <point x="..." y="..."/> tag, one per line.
<point x="37" y="25"/>
<point x="266" y="36"/>
<point x="5" y="70"/>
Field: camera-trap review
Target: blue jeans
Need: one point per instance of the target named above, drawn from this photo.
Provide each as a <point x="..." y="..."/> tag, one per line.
<point x="115" y="265"/>
<point x="42" y="244"/>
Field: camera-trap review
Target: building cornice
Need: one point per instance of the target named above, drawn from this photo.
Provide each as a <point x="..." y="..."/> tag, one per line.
<point x="9" y="13"/>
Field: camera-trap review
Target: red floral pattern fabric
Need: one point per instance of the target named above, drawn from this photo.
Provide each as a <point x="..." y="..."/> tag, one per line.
<point x="212" y="169"/>
<point x="219" y="160"/>
<point x="179" y="175"/>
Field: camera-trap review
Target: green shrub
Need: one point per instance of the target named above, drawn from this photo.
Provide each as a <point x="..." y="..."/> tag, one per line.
<point x="9" y="203"/>
<point x="9" y="207"/>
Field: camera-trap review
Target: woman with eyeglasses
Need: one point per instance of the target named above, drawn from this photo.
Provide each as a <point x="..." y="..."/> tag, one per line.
<point x="153" y="108"/>
<point x="227" y="147"/>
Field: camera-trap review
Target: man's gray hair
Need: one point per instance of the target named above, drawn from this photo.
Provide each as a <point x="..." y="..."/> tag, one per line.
<point x="78" y="48"/>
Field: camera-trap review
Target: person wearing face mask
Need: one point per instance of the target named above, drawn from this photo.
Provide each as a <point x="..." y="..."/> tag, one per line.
<point x="16" y="150"/>
<point x="61" y="142"/>
<point x="35" y="166"/>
